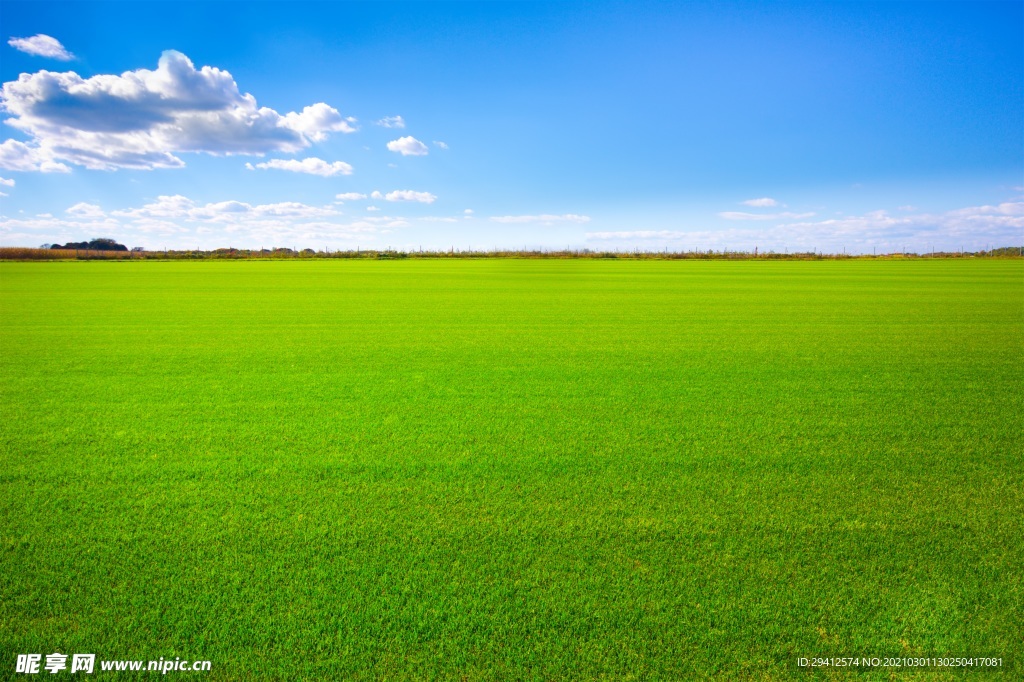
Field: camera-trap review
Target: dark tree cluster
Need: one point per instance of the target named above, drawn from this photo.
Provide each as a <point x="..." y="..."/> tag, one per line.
<point x="94" y="245"/>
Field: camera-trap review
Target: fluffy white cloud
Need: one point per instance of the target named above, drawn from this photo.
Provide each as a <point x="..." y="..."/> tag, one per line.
<point x="316" y="120"/>
<point x="763" y="202"/>
<point x="312" y="166"/>
<point x="19" y="156"/>
<point x="392" y="122"/>
<point x="85" y="210"/>
<point x="740" y="215"/>
<point x="409" y="195"/>
<point x="42" y="45"/>
<point x="376" y="195"/>
<point x="408" y="146"/>
<point x="142" y="119"/>
<point x="6" y="182"/>
<point x="543" y="218"/>
<point x="349" y="196"/>
<point x="440" y="145"/>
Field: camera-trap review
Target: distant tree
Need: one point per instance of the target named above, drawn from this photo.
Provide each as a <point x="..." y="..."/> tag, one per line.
<point x="100" y="244"/>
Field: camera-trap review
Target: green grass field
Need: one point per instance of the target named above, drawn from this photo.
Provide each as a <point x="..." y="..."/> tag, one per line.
<point x="512" y="470"/>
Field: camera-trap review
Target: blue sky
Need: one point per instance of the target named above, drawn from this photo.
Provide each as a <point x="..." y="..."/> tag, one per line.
<point x="781" y="125"/>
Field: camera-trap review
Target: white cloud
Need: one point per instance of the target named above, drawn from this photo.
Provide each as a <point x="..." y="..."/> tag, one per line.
<point x="142" y="118"/>
<point x="440" y="145"/>
<point x="638" y="234"/>
<point x="312" y="166"/>
<point x="317" y="120"/>
<point x="165" y="206"/>
<point x="47" y="228"/>
<point x="392" y="122"/>
<point x="1009" y="208"/>
<point x="181" y="207"/>
<point x="349" y="196"/>
<point x="409" y="195"/>
<point x="740" y="215"/>
<point x="376" y="195"/>
<point x="468" y="211"/>
<point x="176" y="221"/>
<point x="972" y="228"/>
<point x="544" y="218"/>
<point x="372" y="208"/>
<point x="42" y="45"/>
<point x="85" y="210"/>
<point x="6" y="182"/>
<point x="763" y="202"/>
<point x="19" y="156"/>
<point x="439" y="219"/>
<point x="387" y="221"/>
<point x="408" y="146"/>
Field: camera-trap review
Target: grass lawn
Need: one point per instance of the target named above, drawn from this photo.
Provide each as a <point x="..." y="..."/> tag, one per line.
<point x="506" y="469"/>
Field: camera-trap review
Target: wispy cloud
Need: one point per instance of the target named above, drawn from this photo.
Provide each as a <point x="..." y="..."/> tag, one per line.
<point x="311" y="166"/>
<point x="42" y="45"/>
<point x="972" y="227"/>
<point x="440" y="145"/>
<point x="178" y="206"/>
<point x="409" y="195"/>
<point x="543" y="218"/>
<point x="391" y="122"/>
<point x="349" y="196"/>
<point x="180" y="220"/>
<point x="632" y="235"/>
<point x="740" y="215"/>
<point x="763" y="202"/>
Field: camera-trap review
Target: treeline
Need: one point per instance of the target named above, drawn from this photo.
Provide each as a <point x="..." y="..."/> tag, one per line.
<point x="73" y="251"/>
<point x="93" y="245"/>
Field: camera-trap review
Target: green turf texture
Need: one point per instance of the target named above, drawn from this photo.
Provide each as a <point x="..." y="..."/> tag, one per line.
<point x="510" y="469"/>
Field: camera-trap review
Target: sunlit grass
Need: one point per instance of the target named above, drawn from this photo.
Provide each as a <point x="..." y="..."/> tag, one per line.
<point x="511" y="469"/>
